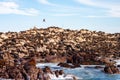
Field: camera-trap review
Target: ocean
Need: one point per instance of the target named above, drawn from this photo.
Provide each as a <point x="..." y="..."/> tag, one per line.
<point x="83" y="72"/>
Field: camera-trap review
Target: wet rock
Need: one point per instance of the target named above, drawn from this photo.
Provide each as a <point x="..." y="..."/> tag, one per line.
<point x="40" y="74"/>
<point x="68" y="65"/>
<point x="111" y="69"/>
<point x="64" y="65"/>
<point x="118" y="65"/>
<point x="98" y="67"/>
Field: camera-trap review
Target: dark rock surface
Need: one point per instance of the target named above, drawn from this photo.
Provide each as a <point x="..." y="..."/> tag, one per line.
<point x="68" y="65"/>
<point x="111" y="69"/>
<point x="118" y="65"/>
<point x="98" y="67"/>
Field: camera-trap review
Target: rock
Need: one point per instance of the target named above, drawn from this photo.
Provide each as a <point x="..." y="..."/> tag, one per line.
<point x="32" y="72"/>
<point x="80" y="46"/>
<point x="118" y="65"/>
<point x="97" y="67"/>
<point x="55" y="44"/>
<point x="68" y="65"/>
<point x="2" y="63"/>
<point x="4" y="36"/>
<point x="55" y="59"/>
<point x="111" y="69"/>
<point x="14" y="73"/>
<point x="76" y="65"/>
<point x="3" y="73"/>
<point x="64" y="65"/>
<point x="29" y="64"/>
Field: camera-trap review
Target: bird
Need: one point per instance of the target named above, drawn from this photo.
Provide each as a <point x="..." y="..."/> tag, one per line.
<point x="44" y="20"/>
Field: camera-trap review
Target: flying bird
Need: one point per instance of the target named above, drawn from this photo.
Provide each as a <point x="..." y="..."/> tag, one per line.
<point x="44" y="20"/>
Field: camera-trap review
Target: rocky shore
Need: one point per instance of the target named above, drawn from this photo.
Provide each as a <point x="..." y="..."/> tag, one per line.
<point x="29" y="71"/>
<point x="54" y="44"/>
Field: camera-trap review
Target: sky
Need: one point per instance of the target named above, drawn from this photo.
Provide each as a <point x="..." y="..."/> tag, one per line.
<point x="95" y="15"/>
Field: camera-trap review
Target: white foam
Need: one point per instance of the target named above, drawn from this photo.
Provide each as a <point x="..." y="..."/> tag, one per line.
<point x="64" y="77"/>
<point x="117" y="62"/>
<point x="52" y="76"/>
<point x="70" y="76"/>
<point x="61" y="77"/>
<point x="47" y="64"/>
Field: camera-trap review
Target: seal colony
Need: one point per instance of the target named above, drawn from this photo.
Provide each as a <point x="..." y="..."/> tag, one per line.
<point x="20" y="51"/>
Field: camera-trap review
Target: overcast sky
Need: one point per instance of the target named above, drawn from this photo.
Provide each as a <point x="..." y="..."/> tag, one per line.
<point x="99" y="15"/>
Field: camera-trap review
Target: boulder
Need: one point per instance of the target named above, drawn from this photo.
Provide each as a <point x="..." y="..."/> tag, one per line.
<point x="118" y="65"/>
<point x="55" y="59"/>
<point x="64" y="65"/>
<point x="68" y="65"/>
<point x="14" y="73"/>
<point x="111" y="69"/>
<point x="97" y="67"/>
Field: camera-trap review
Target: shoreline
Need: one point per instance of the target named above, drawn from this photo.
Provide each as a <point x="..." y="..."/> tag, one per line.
<point x="54" y="44"/>
<point x="54" y="67"/>
<point x="83" y="67"/>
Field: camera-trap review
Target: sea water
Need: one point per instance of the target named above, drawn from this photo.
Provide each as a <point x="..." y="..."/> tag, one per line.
<point x="88" y="73"/>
